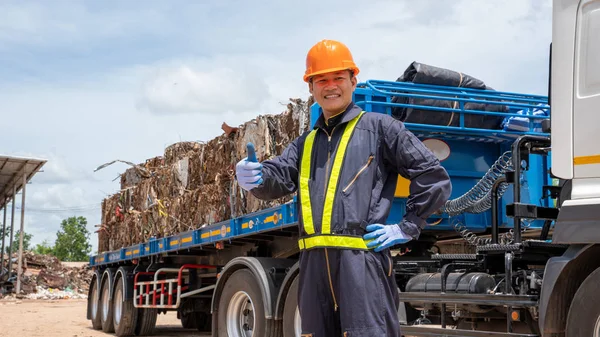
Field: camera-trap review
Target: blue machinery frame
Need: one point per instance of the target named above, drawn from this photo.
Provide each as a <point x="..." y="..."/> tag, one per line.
<point x="473" y="151"/>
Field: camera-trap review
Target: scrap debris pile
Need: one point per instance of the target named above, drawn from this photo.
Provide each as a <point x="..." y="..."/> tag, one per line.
<point x="193" y="184"/>
<point x="45" y="277"/>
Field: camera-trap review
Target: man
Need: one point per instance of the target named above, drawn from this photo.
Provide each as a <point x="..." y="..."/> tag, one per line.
<point x="345" y="171"/>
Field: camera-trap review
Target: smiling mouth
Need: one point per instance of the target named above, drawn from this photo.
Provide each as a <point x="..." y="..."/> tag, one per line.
<point x="332" y="96"/>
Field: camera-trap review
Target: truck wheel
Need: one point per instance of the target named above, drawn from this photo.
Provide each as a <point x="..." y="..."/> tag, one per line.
<point x="146" y="321"/>
<point x="106" y="307"/>
<point x="203" y="321"/>
<point x="188" y="321"/>
<point x="241" y="308"/>
<point x="124" y="311"/>
<point x="292" y="326"/>
<point x="94" y="303"/>
<point x="584" y="316"/>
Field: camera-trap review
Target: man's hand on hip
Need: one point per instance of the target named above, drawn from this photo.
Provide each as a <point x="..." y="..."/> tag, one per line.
<point x="385" y="236"/>
<point x="248" y="170"/>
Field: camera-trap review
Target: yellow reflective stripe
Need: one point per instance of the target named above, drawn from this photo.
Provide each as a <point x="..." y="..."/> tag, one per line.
<point x="335" y="173"/>
<point x="307" y="217"/>
<point x="338" y="241"/>
<point x="586" y="160"/>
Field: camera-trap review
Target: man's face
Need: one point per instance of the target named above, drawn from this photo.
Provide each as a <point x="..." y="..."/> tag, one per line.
<point x="333" y="91"/>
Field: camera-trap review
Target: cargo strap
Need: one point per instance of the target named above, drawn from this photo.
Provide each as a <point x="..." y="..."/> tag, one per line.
<point x="333" y="241"/>
<point x="307" y="216"/>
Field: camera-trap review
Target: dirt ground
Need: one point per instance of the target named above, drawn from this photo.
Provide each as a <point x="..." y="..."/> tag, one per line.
<point x="66" y="318"/>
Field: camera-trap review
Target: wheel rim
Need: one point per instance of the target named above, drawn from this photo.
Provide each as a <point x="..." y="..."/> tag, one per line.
<point x="297" y="323"/>
<point x="94" y="300"/>
<point x="118" y="306"/>
<point x="240" y="315"/>
<point x="105" y="302"/>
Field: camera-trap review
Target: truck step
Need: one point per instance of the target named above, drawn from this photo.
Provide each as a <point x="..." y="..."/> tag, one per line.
<point x="420" y="330"/>
<point x="481" y="299"/>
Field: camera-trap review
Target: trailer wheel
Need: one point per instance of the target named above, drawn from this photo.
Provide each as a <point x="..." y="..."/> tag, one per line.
<point x="105" y="307"/>
<point x="292" y="326"/>
<point x="188" y="321"/>
<point x="203" y="321"/>
<point x="94" y="303"/>
<point x="584" y="316"/>
<point x="124" y="311"/>
<point x="241" y="310"/>
<point x="146" y="321"/>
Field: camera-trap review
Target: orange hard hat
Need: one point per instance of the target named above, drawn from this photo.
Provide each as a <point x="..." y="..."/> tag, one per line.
<point x="328" y="56"/>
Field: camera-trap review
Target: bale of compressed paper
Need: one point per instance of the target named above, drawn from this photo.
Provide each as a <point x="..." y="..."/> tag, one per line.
<point x="193" y="183"/>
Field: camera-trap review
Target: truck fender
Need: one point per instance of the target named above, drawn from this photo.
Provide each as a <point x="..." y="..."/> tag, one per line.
<point x="126" y="273"/>
<point x="285" y="286"/>
<point x="562" y="277"/>
<point x="261" y="268"/>
<point x="96" y="277"/>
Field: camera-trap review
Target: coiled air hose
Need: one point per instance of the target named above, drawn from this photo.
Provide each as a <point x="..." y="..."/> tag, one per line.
<point x="479" y="198"/>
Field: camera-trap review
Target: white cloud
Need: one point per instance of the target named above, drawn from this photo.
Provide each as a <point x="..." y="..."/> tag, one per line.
<point x="206" y="88"/>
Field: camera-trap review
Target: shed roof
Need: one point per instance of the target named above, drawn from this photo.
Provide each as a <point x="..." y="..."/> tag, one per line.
<point x="12" y="170"/>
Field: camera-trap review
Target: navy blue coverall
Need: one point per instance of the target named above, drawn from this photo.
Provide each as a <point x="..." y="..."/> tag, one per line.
<point x="345" y="291"/>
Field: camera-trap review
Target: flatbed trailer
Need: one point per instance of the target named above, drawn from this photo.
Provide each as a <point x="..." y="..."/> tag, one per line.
<point x="525" y="203"/>
<point x="191" y="271"/>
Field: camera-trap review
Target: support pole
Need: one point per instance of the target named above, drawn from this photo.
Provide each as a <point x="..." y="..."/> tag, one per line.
<point x="12" y="229"/>
<point x="3" y="237"/>
<point x="19" y="268"/>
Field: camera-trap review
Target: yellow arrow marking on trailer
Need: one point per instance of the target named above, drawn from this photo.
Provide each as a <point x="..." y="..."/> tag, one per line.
<point x="273" y="218"/>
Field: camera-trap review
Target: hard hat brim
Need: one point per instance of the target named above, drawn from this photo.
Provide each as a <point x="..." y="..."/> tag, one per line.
<point x="331" y="70"/>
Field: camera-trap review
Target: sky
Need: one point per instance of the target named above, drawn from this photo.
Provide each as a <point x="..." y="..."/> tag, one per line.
<point x="83" y="82"/>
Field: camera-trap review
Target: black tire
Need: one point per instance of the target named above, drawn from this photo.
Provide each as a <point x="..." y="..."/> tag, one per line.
<point x="203" y="321"/>
<point x="105" y="307"/>
<point x="242" y="281"/>
<point x="188" y="321"/>
<point x="584" y="314"/>
<point x="94" y="305"/>
<point x="146" y="321"/>
<point x="124" y="325"/>
<point x="289" y="310"/>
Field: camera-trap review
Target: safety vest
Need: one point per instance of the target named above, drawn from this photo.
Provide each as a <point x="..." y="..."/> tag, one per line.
<point x="325" y="238"/>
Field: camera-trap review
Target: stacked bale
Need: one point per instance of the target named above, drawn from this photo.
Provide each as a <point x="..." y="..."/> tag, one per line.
<point x="193" y="184"/>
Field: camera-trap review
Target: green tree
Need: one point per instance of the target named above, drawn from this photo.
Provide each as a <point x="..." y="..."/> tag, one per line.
<point x="72" y="240"/>
<point x="44" y="248"/>
<point x="26" y="242"/>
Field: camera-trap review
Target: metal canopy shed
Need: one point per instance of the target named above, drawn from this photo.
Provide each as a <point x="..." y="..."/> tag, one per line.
<point x="15" y="173"/>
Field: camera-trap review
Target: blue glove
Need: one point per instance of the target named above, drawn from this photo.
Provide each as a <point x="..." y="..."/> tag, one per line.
<point x="248" y="170"/>
<point x="385" y="236"/>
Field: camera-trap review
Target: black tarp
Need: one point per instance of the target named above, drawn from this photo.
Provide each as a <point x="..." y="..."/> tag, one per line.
<point x="426" y="74"/>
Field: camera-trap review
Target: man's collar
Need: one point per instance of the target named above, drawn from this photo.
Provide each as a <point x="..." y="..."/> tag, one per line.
<point x="350" y="113"/>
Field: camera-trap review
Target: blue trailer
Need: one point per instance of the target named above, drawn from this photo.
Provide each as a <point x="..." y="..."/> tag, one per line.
<point x="238" y="277"/>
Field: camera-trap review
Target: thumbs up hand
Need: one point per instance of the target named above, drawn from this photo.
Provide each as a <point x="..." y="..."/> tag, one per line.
<point x="248" y="170"/>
